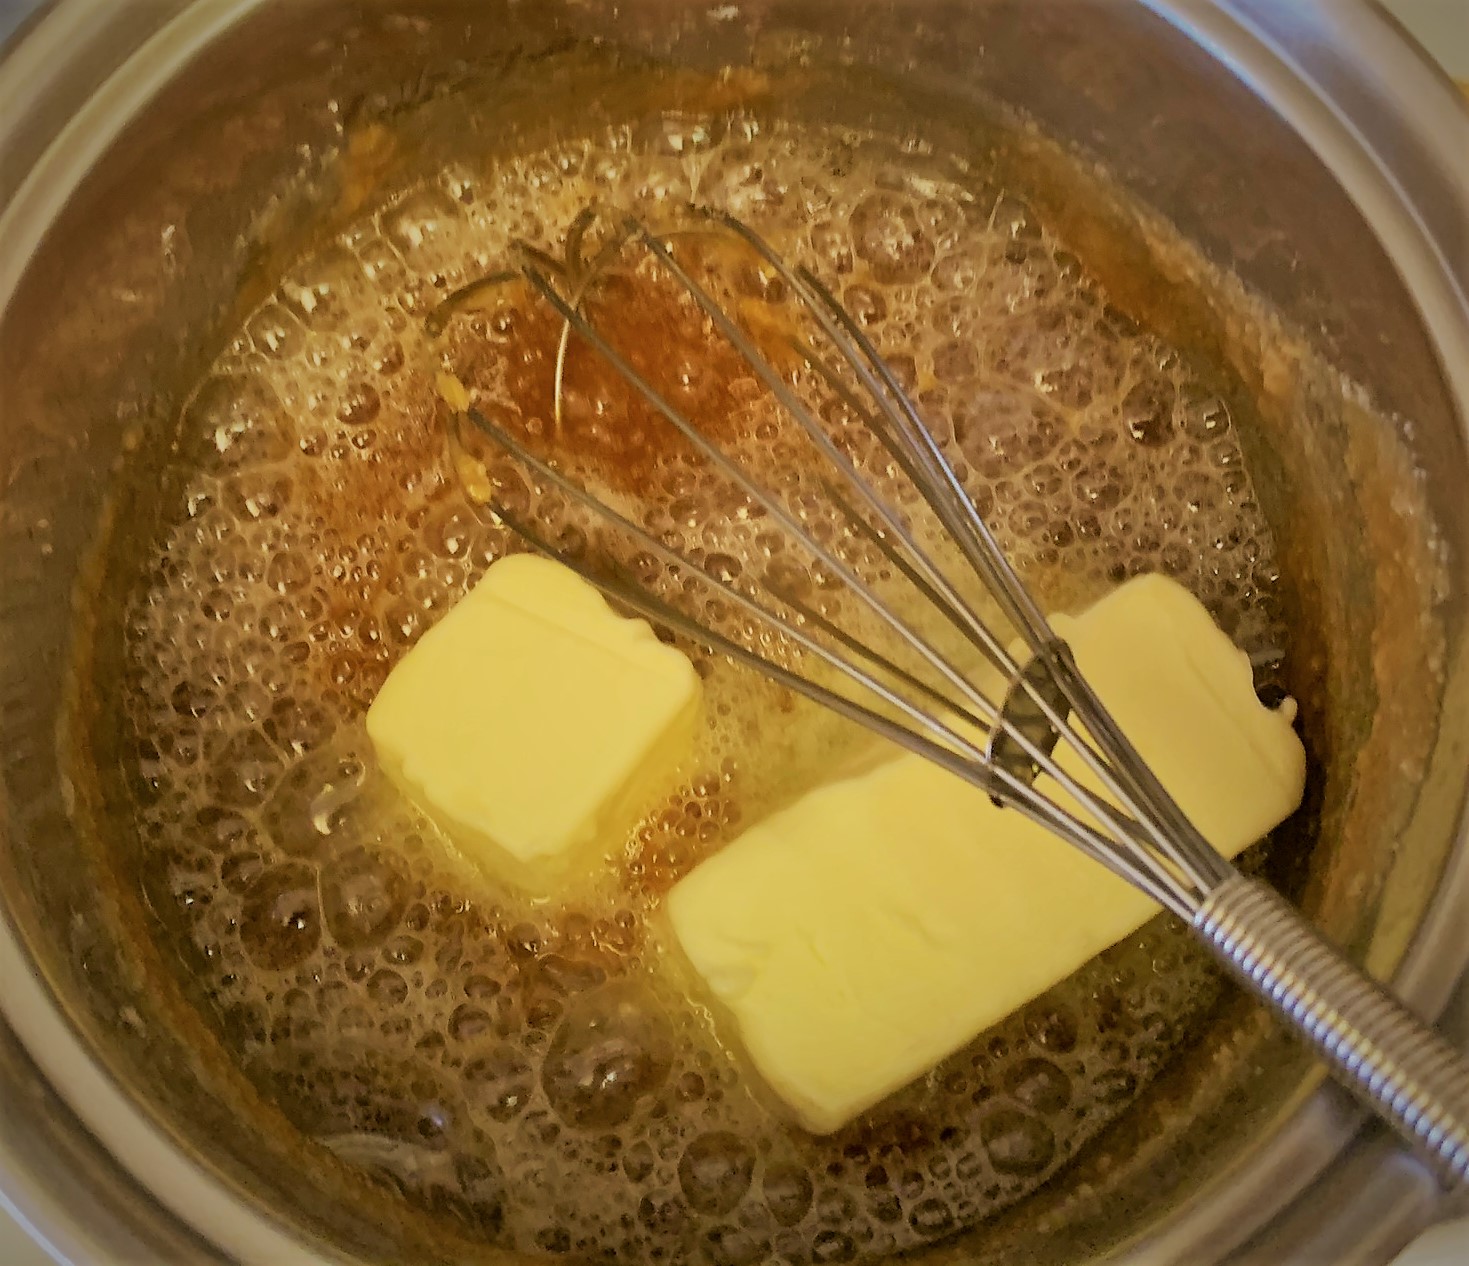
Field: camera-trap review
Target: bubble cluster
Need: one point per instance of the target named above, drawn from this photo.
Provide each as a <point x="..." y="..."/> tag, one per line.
<point x="535" y="1073"/>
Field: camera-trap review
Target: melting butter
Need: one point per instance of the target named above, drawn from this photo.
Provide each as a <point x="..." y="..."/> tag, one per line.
<point x="867" y="931"/>
<point x="534" y="724"/>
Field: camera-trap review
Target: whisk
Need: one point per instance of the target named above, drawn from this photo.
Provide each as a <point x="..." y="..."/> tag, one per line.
<point x="1001" y="742"/>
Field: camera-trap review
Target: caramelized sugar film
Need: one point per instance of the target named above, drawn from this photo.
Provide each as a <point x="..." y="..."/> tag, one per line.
<point x="539" y="1071"/>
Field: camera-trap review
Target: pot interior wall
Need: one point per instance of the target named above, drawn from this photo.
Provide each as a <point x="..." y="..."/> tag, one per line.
<point x="242" y="162"/>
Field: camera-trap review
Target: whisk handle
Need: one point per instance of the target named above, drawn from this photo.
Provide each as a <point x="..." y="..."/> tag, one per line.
<point x="1398" y="1066"/>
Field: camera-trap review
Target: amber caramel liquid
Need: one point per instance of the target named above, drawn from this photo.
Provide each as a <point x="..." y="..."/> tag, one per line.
<point x="536" y="1071"/>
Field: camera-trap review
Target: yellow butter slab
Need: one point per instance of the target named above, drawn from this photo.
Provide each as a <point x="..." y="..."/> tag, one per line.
<point x="533" y="722"/>
<point x="878" y="924"/>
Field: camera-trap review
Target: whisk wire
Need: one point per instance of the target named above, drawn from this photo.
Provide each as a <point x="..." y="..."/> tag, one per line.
<point x="942" y="744"/>
<point x="770" y="504"/>
<point x="964" y="521"/>
<point x="952" y="605"/>
<point x="881" y="383"/>
<point x="1160" y="874"/>
<point x="1167" y="828"/>
<point x="1129" y="778"/>
<point x="946" y="496"/>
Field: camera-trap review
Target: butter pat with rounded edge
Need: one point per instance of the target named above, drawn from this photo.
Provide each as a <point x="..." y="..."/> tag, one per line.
<point x="534" y="724"/>
<point x="859" y="936"/>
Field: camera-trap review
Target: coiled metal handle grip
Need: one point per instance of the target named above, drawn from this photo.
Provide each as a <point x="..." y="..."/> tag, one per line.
<point x="1396" y="1064"/>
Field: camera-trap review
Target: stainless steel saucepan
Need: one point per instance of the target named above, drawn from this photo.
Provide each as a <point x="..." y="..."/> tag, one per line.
<point x="158" y="161"/>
